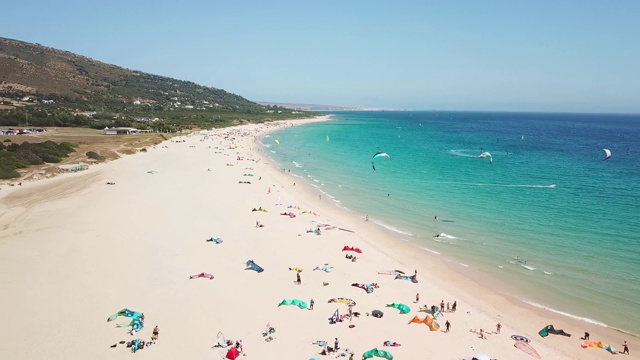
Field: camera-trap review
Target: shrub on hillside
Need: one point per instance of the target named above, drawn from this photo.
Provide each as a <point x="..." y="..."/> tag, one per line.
<point x="27" y="156"/>
<point x="95" y="156"/>
<point x="7" y="172"/>
<point x="48" y="158"/>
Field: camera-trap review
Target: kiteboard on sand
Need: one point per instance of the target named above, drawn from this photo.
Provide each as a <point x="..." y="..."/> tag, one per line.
<point x="527" y="349"/>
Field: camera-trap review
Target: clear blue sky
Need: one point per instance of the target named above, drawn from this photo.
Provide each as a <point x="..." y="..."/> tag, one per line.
<point x="555" y="55"/>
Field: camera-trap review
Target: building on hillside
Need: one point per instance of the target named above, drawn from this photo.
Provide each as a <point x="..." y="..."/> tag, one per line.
<point x="124" y="131"/>
<point x="120" y="131"/>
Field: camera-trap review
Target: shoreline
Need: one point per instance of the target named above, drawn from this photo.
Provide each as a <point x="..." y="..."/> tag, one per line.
<point x="71" y="239"/>
<point x="500" y="287"/>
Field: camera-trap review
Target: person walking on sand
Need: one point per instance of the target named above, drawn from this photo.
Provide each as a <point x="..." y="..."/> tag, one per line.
<point x="447" y="325"/>
<point x="625" y="348"/>
<point x="498" y="327"/>
<point x="155" y="332"/>
<point x="417" y="298"/>
<point x="481" y="334"/>
<point x="298" y="281"/>
<point x="311" y="304"/>
<point x="441" y="305"/>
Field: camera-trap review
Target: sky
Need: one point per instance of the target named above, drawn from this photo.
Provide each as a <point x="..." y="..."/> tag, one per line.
<point x="542" y="55"/>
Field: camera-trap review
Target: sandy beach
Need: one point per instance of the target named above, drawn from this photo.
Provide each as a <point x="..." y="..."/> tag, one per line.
<point x="74" y="251"/>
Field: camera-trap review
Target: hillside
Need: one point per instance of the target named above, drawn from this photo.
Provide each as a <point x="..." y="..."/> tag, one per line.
<point x="47" y="86"/>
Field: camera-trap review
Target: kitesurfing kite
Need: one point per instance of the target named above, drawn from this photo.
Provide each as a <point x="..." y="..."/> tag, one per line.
<point x="137" y="319"/>
<point x="608" y="154"/>
<point x="277" y="142"/>
<point x="485" y="155"/>
<point x="379" y="154"/>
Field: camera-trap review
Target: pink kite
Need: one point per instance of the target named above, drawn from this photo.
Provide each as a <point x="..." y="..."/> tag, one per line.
<point x="351" y="248"/>
<point x="202" y="275"/>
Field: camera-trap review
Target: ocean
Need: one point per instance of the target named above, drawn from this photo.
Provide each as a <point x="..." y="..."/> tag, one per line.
<point x="543" y="213"/>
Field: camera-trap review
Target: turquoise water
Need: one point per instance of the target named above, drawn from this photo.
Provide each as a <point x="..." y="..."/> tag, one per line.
<point x="547" y="197"/>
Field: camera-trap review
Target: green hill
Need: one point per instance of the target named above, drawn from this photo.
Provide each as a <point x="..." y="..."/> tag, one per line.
<point x="49" y="87"/>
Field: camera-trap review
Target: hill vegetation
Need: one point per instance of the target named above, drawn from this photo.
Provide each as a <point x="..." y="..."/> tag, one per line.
<point x="15" y="156"/>
<point x="43" y="86"/>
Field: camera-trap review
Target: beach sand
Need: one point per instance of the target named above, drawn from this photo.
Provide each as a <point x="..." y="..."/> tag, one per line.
<point x="74" y="251"/>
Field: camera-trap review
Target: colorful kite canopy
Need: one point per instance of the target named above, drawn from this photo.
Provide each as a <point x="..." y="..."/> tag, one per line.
<point x="299" y="303"/>
<point x="137" y="319"/>
<point x="549" y="329"/>
<point x="345" y="301"/>
<point x="377" y="155"/>
<point x="527" y="349"/>
<point x="404" y="309"/>
<point x="379" y="353"/>
<point x="202" y="275"/>
<point x="253" y="266"/>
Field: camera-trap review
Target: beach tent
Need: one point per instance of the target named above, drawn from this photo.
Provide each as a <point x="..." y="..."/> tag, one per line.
<point x="299" y="303"/>
<point x="379" y="353"/>
<point x="232" y="354"/>
<point x="253" y="266"/>
<point x="404" y="309"/>
<point x="549" y="329"/>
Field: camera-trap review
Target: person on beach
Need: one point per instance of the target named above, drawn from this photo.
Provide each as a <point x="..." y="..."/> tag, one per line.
<point x="498" y="327"/>
<point x="298" y="281"/>
<point x="155" y="333"/>
<point x="453" y="307"/>
<point x="586" y="336"/>
<point x="366" y="218"/>
<point x="311" y="304"/>
<point x="447" y="326"/>
<point x="335" y="345"/>
<point x="441" y="305"/>
<point x="625" y="348"/>
<point x="482" y="334"/>
<point x="417" y="298"/>
<point x="448" y="307"/>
